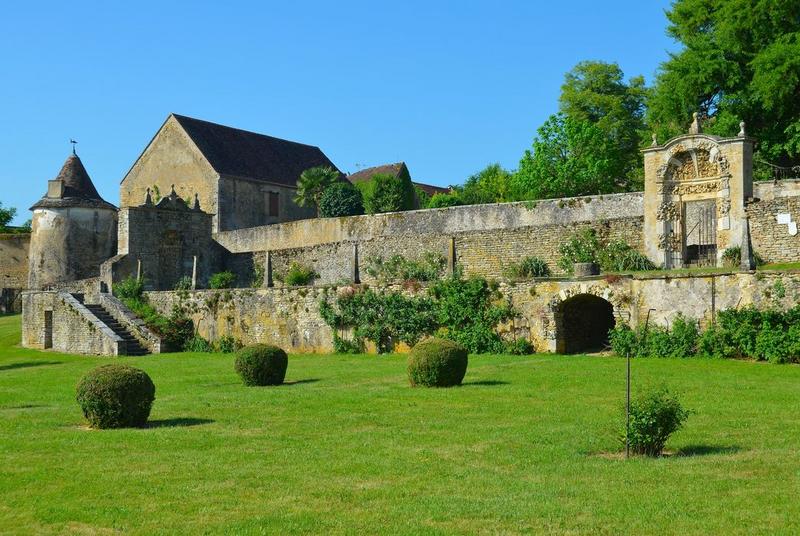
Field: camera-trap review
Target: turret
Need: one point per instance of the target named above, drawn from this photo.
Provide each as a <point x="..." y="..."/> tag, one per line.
<point x="73" y="230"/>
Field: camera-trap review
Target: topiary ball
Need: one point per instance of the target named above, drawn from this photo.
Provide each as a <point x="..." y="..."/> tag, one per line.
<point x="437" y="363"/>
<point x="116" y="396"/>
<point x="262" y="364"/>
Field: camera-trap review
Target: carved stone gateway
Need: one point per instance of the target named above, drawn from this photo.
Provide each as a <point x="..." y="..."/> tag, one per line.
<point x="696" y="186"/>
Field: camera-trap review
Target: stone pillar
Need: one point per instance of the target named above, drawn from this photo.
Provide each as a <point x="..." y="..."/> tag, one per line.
<point x="194" y="272"/>
<point x="268" y="270"/>
<point x="748" y="263"/>
<point x="138" y="269"/>
<point x="451" y="256"/>
<point x="356" y="275"/>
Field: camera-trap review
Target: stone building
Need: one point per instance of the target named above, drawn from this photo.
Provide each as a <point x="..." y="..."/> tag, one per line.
<point x="243" y="178"/>
<point x="73" y="230"/>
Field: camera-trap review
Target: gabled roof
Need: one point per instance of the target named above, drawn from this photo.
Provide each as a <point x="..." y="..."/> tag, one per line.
<point x="385" y="169"/>
<point x="79" y="191"/>
<point x="431" y="189"/>
<point x="242" y="154"/>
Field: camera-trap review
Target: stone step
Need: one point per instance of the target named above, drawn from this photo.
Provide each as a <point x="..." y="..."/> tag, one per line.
<point x="134" y="347"/>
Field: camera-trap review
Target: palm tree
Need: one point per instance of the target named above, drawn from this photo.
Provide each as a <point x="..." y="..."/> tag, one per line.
<point x="312" y="183"/>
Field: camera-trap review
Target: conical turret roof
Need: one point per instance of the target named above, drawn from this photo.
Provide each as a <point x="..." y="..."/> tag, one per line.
<point x="79" y="191"/>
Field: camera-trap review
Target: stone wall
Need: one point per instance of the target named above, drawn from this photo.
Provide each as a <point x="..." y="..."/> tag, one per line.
<point x="290" y="317"/>
<point x="74" y="328"/>
<point x="13" y="270"/>
<point x="772" y="240"/>
<point x="487" y="237"/>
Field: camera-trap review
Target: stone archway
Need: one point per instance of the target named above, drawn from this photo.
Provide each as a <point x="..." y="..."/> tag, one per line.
<point x="582" y="324"/>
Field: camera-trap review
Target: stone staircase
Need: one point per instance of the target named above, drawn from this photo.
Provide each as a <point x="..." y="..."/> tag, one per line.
<point x="134" y="347"/>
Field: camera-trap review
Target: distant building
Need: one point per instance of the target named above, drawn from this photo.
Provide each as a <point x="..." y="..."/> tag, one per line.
<point x="243" y="178"/>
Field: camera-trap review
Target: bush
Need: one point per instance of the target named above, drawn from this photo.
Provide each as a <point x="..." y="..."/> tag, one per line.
<point x="228" y="344"/>
<point x="732" y="257"/>
<point x="618" y="256"/>
<point x="129" y="289"/>
<point x="519" y="347"/>
<point x="341" y="199"/>
<point x="261" y="364"/>
<point x="387" y="193"/>
<point x="116" y="396"/>
<point x="582" y="246"/>
<point x="529" y="267"/>
<point x="654" y="416"/>
<point x="224" y="279"/>
<point x="198" y="344"/>
<point x="298" y="275"/>
<point x="468" y="312"/>
<point x="184" y="283"/>
<point x="398" y="269"/>
<point x="437" y="363"/>
<point x="624" y="341"/>
<point x="444" y="201"/>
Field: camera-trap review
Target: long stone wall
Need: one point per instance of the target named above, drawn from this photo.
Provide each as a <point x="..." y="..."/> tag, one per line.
<point x="289" y="317"/>
<point x="486" y="238"/>
<point x="14" y="260"/>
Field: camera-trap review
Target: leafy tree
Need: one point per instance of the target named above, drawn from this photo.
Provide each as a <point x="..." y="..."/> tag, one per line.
<point x="740" y="61"/>
<point x="596" y="92"/>
<point x="312" y="183"/>
<point x="387" y="193"/>
<point x="569" y="158"/>
<point x="6" y="215"/>
<point x="341" y="199"/>
<point x="490" y="185"/>
<point x="445" y="200"/>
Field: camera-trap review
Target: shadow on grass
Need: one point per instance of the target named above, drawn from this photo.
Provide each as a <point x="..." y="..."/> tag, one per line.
<point x="178" y="422"/>
<point x="28" y="364"/>
<point x="705" y="450"/>
<point x="299" y="382"/>
<point x="486" y="383"/>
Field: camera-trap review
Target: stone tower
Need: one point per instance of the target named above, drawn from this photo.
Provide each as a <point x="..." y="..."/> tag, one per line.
<point x="73" y="229"/>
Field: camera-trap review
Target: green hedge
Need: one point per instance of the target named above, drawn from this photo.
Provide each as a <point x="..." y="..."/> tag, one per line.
<point x="437" y="363"/>
<point x="261" y="364"/>
<point x="116" y="396"/>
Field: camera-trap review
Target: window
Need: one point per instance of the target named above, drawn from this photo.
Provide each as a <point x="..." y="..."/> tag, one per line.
<point x="272" y="204"/>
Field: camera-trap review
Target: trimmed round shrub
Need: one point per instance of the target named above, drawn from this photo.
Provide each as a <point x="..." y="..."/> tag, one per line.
<point x="116" y="396"/>
<point x="341" y="199"/>
<point x="262" y="364"/>
<point x="437" y="363"/>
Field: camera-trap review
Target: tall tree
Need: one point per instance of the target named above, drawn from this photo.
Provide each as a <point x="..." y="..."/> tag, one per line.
<point x="596" y="92"/>
<point x="740" y="61"/>
<point x="312" y="183"/>
<point x="568" y="158"/>
<point x="490" y="185"/>
<point x="388" y="193"/>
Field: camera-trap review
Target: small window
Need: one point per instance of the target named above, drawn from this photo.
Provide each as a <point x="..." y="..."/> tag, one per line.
<point x="272" y="204"/>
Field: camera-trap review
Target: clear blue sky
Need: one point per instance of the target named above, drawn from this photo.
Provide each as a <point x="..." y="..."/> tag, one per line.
<point x="447" y="87"/>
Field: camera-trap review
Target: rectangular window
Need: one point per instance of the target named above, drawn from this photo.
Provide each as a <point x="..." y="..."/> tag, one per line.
<point x="272" y="204"/>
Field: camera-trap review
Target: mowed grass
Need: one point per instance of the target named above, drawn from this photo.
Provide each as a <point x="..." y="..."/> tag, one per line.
<point x="347" y="447"/>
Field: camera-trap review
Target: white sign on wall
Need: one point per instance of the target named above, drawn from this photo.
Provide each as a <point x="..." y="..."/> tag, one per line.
<point x="786" y="219"/>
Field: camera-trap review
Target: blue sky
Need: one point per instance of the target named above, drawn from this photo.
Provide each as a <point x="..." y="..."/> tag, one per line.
<point x="446" y="87"/>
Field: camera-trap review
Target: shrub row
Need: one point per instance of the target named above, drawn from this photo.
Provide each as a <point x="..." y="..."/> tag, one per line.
<point x="745" y="333"/>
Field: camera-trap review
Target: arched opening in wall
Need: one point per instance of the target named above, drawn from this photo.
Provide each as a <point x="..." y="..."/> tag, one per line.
<point x="582" y="324"/>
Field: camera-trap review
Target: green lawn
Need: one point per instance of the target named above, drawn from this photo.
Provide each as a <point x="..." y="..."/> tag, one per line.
<point x="347" y="447"/>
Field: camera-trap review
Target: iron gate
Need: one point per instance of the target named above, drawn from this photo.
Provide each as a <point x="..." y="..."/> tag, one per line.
<point x="700" y="233"/>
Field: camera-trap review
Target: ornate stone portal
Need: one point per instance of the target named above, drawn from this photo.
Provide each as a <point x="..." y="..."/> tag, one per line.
<point x="696" y="186"/>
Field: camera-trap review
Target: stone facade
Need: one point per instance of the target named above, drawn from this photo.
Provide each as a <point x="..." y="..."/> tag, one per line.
<point x="289" y="317"/>
<point x="696" y="187"/>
